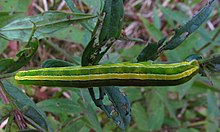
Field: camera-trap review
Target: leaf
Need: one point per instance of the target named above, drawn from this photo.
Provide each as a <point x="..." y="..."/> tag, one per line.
<point x="168" y="105"/>
<point x="5" y="111"/>
<point x="148" y="53"/>
<point x="184" y="31"/>
<point x="211" y="64"/>
<point x="46" y="24"/>
<point x="140" y="116"/>
<point x="6" y="17"/>
<point x="155" y="111"/>
<point x="174" y="39"/>
<point x="213" y="113"/>
<point x="187" y="130"/>
<point x="151" y="29"/>
<point x="122" y="106"/>
<point x="156" y="18"/>
<point x="26" y="106"/>
<point x="112" y="23"/>
<point x="91" y="116"/>
<point x="184" y="88"/>
<point x="133" y="94"/>
<point x="5" y="63"/>
<point x="105" y="32"/>
<point x="173" y="15"/>
<point x="24" y="57"/>
<point x="55" y="63"/>
<point x="59" y="106"/>
<point x="3" y="45"/>
<point x="76" y="126"/>
<point x="130" y="55"/>
<point x="14" y="5"/>
<point x="70" y="34"/>
<point x="73" y="8"/>
<point x="96" y="5"/>
<point x="186" y="47"/>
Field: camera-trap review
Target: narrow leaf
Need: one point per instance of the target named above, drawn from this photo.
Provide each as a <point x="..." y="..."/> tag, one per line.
<point x="59" y="106"/>
<point x="151" y="29"/>
<point x="26" y="105"/>
<point x="184" y="31"/>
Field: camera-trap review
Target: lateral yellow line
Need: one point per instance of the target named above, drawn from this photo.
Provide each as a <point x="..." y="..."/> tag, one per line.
<point x="111" y="76"/>
<point x="119" y="65"/>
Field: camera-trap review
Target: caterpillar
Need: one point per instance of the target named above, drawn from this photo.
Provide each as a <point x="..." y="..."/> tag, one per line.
<point x="121" y="74"/>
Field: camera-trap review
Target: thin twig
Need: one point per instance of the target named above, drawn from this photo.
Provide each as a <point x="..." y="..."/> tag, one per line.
<point x="45" y="5"/>
<point x="61" y="5"/>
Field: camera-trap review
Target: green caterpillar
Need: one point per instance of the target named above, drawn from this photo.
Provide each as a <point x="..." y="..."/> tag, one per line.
<point x="121" y="74"/>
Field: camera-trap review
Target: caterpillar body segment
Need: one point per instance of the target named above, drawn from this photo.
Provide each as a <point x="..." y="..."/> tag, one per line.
<point x="121" y="74"/>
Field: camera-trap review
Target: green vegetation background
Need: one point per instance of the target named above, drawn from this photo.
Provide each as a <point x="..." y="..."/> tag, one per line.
<point x="192" y="107"/>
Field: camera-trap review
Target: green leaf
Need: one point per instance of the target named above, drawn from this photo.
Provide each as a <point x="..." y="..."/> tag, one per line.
<point x="5" y="111"/>
<point x="96" y="5"/>
<point x="186" y="47"/>
<point x="150" y="52"/>
<point x="86" y="25"/>
<point x="187" y="130"/>
<point x="175" y="38"/>
<point x="151" y="29"/>
<point x="55" y="63"/>
<point x="213" y="113"/>
<point x="133" y="94"/>
<point x="184" y="88"/>
<point x="168" y="105"/>
<point x="76" y="126"/>
<point x="173" y="15"/>
<point x="70" y="34"/>
<point x="192" y="25"/>
<point x="3" y="45"/>
<point x="59" y="106"/>
<point x="105" y="33"/>
<point x="91" y="117"/>
<point x="156" y="18"/>
<point x="24" y="57"/>
<point x="155" y="111"/>
<point x="6" y="17"/>
<point x="112" y="23"/>
<point x="130" y="55"/>
<point x="5" y="63"/>
<point x="14" y="5"/>
<point x="46" y="24"/>
<point x="167" y="16"/>
<point x="140" y="116"/>
<point x="32" y="113"/>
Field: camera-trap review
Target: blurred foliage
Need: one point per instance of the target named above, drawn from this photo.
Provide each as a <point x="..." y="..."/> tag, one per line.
<point x="193" y="106"/>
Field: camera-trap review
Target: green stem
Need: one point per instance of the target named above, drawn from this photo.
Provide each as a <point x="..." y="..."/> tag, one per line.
<point x="199" y="123"/>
